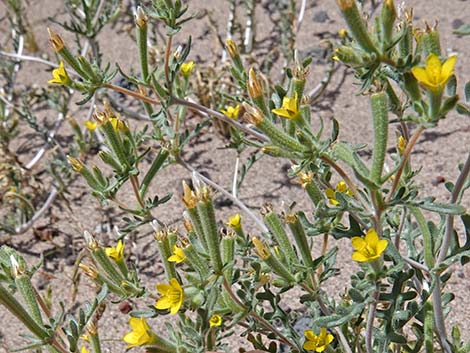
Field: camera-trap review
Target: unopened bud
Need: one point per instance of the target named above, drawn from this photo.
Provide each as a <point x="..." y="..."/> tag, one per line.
<point x="231" y="48"/>
<point x="90" y="240"/>
<point x="89" y="271"/>
<point x="255" y="89"/>
<point x="77" y="165"/>
<point x="55" y="40"/>
<point x="141" y="18"/>
<point x="253" y="115"/>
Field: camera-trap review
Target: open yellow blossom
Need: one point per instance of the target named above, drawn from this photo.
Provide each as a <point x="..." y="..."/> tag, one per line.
<point x="186" y="68"/>
<point x="116" y="253"/>
<point x="141" y="333"/>
<point x="317" y="343"/>
<point x="290" y="107"/>
<point x="232" y="112"/>
<point x="234" y="221"/>
<point x="215" y="321"/>
<point x="178" y="255"/>
<point x="435" y="75"/>
<point x="368" y="248"/>
<point x="84" y="350"/>
<point x="91" y="125"/>
<point x="60" y="75"/>
<point x="340" y="187"/>
<point x="172" y="296"/>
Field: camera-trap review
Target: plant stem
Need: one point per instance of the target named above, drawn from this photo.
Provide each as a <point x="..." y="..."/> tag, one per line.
<point x="370" y="322"/>
<point x="135" y="187"/>
<point x="437" y="299"/>
<point x="128" y="92"/>
<point x="240" y="204"/>
<point x="348" y="181"/>
<point x="167" y="63"/>
<point x="207" y="111"/>
<point x="450" y="218"/>
<point x="406" y="155"/>
<point x="258" y="318"/>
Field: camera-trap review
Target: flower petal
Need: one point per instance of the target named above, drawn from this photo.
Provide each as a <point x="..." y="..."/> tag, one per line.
<point x="163" y="288"/>
<point x="433" y="65"/>
<point x="448" y="68"/>
<point x="381" y="246"/>
<point x="282" y="112"/>
<point x="310" y="346"/>
<point x="359" y="257"/>
<point x="421" y="75"/>
<point x="358" y="243"/>
<point x="372" y="238"/>
<point x="309" y="335"/>
<point x="163" y="303"/>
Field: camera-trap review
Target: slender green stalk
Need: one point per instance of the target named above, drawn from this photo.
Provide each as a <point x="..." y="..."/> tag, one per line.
<point x="95" y="342"/>
<point x="195" y="261"/>
<point x="8" y="300"/>
<point x="276" y="228"/>
<point x="427" y="240"/>
<point x="357" y="24"/>
<point x="99" y="255"/>
<point x="279" y="137"/>
<point x="154" y="168"/>
<point x="23" y="283"/>
<point x="380" y="124"/>
<point x="164" y="248"/>
<point x="209" y="226"/>
<point x="301" y="240"/>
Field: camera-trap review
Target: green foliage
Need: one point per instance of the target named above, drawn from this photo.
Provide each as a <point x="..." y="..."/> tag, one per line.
<point x="243" y="276"/>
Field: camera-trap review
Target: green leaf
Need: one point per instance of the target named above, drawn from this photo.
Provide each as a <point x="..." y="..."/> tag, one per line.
<point x="463" y="30"/>
<point x="339" y="319"/>
<point x="467" y="91"/>
<point x="441" y="208"/>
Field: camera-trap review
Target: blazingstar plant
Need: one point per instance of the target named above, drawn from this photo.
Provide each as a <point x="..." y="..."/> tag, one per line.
<point x="227" y="278"/>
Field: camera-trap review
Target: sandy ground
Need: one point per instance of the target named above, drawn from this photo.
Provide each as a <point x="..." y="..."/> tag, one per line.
<point x="438" y="151"/>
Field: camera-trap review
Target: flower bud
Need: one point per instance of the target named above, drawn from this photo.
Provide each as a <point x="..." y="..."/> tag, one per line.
<point x="55" y="41"/>
<point x="255" y="89"/>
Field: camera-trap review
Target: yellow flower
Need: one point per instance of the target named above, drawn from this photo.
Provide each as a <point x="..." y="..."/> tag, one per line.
<point x="401" y="145"/>
<point x="141" y="333"/>
<point x="172" y="296"/>
<point x="178" y="255"/>
<point x="186" y="68"/>
<point x="289" y="108"/>
<point x="215" y="321"/>
<point x="84" y="350"/>
<point x="118" y="124"/>
<point x="60" y="75"/>
<point x="77" y="165"/>
<point x="116" y="253"/>
<point x="231" y="48"/>
<point x="91" y="125"/>
<point x="369" y="248"/>
<point x="317" y="343"/>
<point x="232" y="112"/>
<point x="340" y="187"/>
<point x="435" y="74"/>
<point x="234" y="221"/>
<point x="261" y="249"/>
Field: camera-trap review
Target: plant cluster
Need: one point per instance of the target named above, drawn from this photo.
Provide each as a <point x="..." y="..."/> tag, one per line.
<point x="222" y="276"/>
